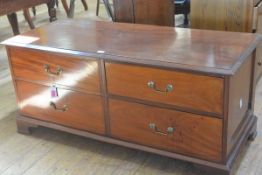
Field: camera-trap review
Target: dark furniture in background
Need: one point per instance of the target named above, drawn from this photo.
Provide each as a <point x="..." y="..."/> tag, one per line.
<point x="12" y="18"/>
<point x="235" y="16"/>
<point x="68" y="9"/>
<point x="183" y="7"/>
<point x="71" y="9"/>
<point x="28" y="18"/>
<point x="186" y="94"/>
<point x="157" y="12"/>
<point x="107" y="7"/>
<point x="9" y="7"/>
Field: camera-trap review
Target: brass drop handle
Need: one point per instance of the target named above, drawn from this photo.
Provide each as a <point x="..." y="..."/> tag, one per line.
<point x="169" y="131"/>
<point x="58" y="72"/>
<point x="152" y="85"/>
<point x="64" y="109"/>
<point x="259" y="63"/>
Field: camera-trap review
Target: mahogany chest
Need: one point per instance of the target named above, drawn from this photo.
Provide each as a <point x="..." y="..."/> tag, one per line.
<point x="186" y="94"/>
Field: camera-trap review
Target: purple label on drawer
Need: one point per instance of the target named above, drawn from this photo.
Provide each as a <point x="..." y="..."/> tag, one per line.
<point x="54" y="92"/>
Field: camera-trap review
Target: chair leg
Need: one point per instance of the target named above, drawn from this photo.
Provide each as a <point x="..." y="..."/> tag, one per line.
<point x="12" y="18"/>
<point x="186" y="19"/>
<point x="57" y="3"/>
<point x="108" y="9"/>
<point x="97" y="7"/>
<point x="71" y="9"/>
<point x="28" y="18"/>
<point x="64" y="3"/>
<point x="186" y="13"/>
<point x="51" y="10"/>
<point x="85" y="5"/>
<point x="34" y="10"/>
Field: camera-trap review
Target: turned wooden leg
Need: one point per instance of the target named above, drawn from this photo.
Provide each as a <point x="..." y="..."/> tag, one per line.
<point x="71" y="9"/>
<point x="34" y="10"/>
<point x="24" y="127"/>
<point x="85" y="4"/>
<point x="14" y="23"/>
<point x="97" y="7"/>
<point x="51" y="10"/>
<point x="57" y="3"/>
<point x="28" y="18"/>
<point x="213" y="171"/>
<point x="64" y="3"/>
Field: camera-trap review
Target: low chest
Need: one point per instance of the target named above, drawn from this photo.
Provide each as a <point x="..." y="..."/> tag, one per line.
<point x="194" y="105"/>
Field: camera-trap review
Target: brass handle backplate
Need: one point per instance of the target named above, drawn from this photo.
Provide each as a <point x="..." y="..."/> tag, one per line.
<point x="152" y="85"/>
<point x="65" y="107"/>
<point x="259" y="63"/>
<point x="169" y="130"/>
<point x="58" y="71"/>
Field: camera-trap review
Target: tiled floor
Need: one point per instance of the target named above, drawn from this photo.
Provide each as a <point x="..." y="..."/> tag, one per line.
<point x="52" y="152"/>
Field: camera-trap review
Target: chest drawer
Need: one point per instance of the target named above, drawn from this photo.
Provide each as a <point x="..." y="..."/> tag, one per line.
<point x="185" y="90"/>
<point x="174" y="131"/>
<point x="73" y="109"/>
<point x="53" y="68"/>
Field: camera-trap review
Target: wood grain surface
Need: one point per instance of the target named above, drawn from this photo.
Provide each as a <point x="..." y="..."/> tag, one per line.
<point x="239" y="101"/>
<point x="77" y="74"/>
<point x="189" y="90"/>
<point x="10" y="6"/>
<point x="228" y="15"/>
<point x="157" y="12"/>
<point x="63" y="153"/>
<point x="124" y="11"/>
<point x="85" y="112"/>
<point x="194" y="135"/>
<point x="211" y="51"/>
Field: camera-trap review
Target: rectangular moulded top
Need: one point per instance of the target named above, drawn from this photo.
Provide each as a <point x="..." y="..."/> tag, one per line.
<point x="214" y="52"/>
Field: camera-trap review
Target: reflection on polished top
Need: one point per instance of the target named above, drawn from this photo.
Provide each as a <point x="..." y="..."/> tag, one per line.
<point x="190" y="49"/>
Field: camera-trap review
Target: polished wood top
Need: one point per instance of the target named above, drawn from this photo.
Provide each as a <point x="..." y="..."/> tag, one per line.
<point x="213" y="52"/>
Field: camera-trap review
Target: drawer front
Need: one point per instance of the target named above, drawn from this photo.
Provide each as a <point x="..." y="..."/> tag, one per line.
<point x="72" y="109"/>
<point x="50" y="68"/>
<point x="185" y="90"/>
<point x="174" y="131"/>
